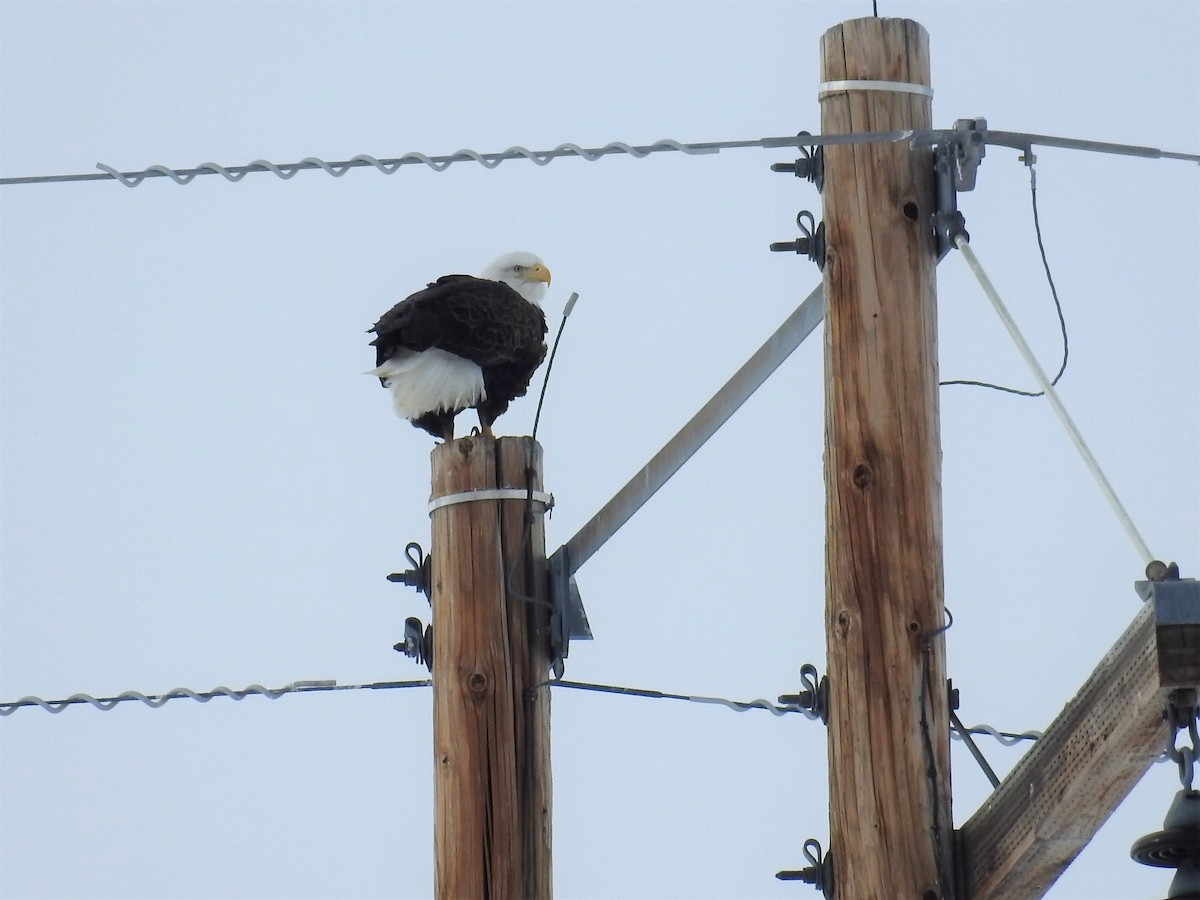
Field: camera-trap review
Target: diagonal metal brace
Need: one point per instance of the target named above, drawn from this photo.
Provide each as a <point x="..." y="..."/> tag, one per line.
<point x="569" y="619"/>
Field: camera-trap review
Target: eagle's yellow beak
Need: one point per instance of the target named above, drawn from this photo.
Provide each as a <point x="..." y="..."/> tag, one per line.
<point x="539" y="273"/>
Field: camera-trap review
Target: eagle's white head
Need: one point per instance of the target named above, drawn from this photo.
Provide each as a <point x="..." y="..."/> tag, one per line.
<point x="524" y="272"/>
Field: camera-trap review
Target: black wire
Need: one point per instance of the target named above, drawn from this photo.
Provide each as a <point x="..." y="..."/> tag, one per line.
<point x="530" y="472"/>
<point x="1037" y="228"/>
<point x="1062" y="322"/>
<point x="735" y="705"/>
<point x="931" y="770"/>
<point x="549" y="365"/>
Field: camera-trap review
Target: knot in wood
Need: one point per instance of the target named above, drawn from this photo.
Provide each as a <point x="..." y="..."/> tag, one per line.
<point x="478" y="682"/>
<point x="863" y="476"/>
<point x="842" y="628"/>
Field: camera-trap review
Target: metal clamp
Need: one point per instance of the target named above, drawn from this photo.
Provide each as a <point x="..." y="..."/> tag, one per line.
<point x="812" y="241"/>
<point x="810" y="165"/>
<point x="547" y="500"/>
<point x="970" y="146"/>
<point x="418" y="576"/>
<point x="813" y="701"/>
<point x="417" y="643"/>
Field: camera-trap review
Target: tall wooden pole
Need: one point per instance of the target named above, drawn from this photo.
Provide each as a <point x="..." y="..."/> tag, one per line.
<point x="490" y="650"/>
<point x="890" y="824"/>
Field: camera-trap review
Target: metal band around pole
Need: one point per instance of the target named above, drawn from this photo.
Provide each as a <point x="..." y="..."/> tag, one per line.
<point x="900" y="87"/>
<point x="547" y="500"/>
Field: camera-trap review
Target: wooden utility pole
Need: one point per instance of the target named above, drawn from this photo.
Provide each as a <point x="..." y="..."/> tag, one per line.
<point x="890" y="823"/>
<point x="490" y="650"/>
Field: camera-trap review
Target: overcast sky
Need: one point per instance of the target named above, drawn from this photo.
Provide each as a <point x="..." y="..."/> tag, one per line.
<point x="200" y="487"/>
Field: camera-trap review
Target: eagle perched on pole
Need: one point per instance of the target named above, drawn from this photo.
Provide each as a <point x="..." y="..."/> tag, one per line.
<point x="464" y="342"/>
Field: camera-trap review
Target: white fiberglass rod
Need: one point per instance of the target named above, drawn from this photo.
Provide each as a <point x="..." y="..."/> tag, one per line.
<point x="1089" y="460"/>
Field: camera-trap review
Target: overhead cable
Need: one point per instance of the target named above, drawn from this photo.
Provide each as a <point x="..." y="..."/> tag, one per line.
<point x="1015" y="139"/>
<point x="154" y="701"/>
<point x="735" y="705"/>
<point x="390" y="166"/>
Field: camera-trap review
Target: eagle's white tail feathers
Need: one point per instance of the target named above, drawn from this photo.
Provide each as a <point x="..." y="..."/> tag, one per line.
<point x="431" y="381"/>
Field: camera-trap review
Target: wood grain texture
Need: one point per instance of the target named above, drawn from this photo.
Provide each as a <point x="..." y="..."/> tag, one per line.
<point x="890" y="823"/>
<point x="1024" y="836"/>
<point x="523" y="539"/>
<point x="491" y="745"/>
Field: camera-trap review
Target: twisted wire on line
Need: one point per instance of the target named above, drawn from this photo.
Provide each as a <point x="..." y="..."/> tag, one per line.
<point x="1018" y="140"/>
<point x="1006" y="738"/>
<point x="390" y="166"/>
<point x="155" y="701"/>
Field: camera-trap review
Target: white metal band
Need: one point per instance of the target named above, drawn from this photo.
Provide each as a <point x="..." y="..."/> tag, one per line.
<point x="901" y="87"/>
<point x="547" y="500"/>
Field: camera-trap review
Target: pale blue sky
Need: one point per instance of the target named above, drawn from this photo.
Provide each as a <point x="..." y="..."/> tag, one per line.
<point x="201" y="488"/>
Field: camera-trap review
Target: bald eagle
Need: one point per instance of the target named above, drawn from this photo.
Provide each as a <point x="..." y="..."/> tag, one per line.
<point x="464" y="342"/>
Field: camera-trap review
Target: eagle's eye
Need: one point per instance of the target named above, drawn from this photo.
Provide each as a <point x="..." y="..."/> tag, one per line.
<point x="518" y="269"/>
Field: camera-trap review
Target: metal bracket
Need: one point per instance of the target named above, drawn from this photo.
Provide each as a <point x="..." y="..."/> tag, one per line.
<point x="1176" y="623"/>
<point x="813" y="701"/>
<point x="956" y="162"/>
<point x="970" y="146"/>
<point x="568" y="619"/>
<point x="818" y="873"/>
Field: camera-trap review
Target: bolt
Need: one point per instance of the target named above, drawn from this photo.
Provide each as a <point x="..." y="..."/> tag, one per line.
<point x="800" y="245"/>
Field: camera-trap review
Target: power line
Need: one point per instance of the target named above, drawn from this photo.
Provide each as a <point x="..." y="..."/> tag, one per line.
<point x="735" y="705"/>
<point x="155" y="701"/>
<point x="390" y="166"/>
<point x="1015" y="139"/>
